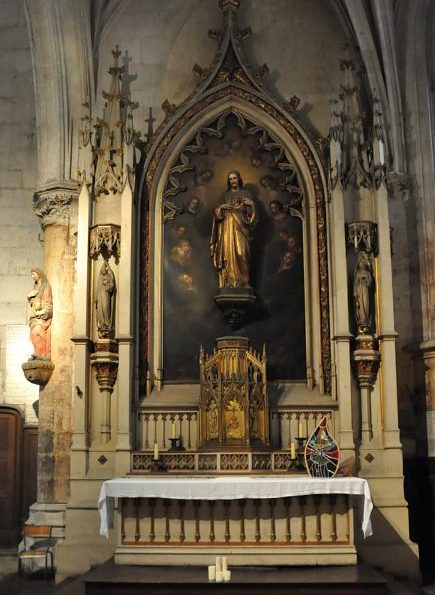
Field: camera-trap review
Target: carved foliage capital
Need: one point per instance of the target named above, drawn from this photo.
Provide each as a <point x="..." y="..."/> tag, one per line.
<point x="56" y="206"/>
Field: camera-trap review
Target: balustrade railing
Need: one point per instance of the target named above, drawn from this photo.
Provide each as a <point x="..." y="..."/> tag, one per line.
<point x="299" y="521"/>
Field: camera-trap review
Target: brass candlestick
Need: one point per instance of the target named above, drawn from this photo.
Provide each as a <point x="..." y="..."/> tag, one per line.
<point x="176" y="444"/>
<point x="298" y="464"/>
<point x="158" y="465"/>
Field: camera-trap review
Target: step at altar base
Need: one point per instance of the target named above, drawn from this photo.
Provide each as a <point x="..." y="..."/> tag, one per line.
<point x="111" y="579"/>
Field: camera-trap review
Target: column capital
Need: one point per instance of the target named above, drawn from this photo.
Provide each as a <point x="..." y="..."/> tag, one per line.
<point x="55" y="203"/>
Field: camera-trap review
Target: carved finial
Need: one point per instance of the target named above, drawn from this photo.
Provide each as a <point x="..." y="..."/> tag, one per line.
<point x="215" y="33"/>
<point x="293" y="103"/>
<point x="260" y="73"/>
<point x="226" y="5"/>
<point x="242" y="34"/>
<point x="114" y="132"/>
<point x="168" y="107"/>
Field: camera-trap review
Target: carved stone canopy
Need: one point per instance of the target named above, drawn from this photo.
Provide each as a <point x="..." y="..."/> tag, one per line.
<point x="105" y="240"/>
<point x="362" y="235"/>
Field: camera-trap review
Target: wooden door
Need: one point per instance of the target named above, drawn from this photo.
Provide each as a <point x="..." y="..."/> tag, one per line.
<point x="10" y="493"/>
<point x="29" y="466"/>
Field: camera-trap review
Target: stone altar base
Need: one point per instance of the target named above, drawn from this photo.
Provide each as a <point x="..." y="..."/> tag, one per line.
<point x="304" y="530"/>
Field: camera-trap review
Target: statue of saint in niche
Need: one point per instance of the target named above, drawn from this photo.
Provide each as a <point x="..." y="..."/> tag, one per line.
<point x="362" y="282"/>
<point x="230" y="243"/>
<point x="106" y="287"/>
<point x="41" y="313"/>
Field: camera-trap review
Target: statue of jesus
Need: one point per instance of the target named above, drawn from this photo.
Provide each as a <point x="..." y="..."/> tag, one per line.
<point x="230" y="243"/>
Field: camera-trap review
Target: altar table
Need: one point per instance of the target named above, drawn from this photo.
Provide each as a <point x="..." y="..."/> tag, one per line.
<point x="228" y="488"/>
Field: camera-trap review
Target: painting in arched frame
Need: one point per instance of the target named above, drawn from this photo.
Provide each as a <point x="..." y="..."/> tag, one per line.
<point x="190" y="315"/>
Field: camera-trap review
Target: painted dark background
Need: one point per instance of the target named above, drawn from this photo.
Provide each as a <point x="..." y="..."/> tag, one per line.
<point x="191" y="317"/>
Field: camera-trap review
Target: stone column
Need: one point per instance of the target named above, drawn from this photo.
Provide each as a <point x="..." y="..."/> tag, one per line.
<point x="54" y="207"/>
<point x="340" y="324"/>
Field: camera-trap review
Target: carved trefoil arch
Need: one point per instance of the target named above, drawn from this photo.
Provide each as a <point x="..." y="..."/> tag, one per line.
<point x="231" y="87"/>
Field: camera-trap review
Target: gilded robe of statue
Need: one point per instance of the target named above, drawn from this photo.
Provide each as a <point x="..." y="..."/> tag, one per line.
<point x="41" y="313"/>
<point x="230" y="243"/>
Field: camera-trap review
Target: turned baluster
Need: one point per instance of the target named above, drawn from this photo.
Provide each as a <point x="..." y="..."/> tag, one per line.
<point x="333" y="499"/>
<point x="303" y="524"/>
<point x="182" y="533"/>
<point x="227" y="520"/>
<point x="257" y="520"/>
<point x="122" y="505"/>
<point x="317" y="502"/>
<point x="137" y="531"/>
<point x="212" y="534"/>
<point x="152" y="530"/>
<point x="167" y="533"/>
<point x="242" y="520"/>
<point x="147" y="443"/>
<point x="272" y="520"/>
<point x="196" y="504"/>
<point x="288" y="503"/>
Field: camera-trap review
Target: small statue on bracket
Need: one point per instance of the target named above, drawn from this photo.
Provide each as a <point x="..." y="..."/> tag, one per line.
<point x="106" y="289"/>
<point x="362" y="282"/>
<point x="41" y="314"/>
<point x="39" y="368"/>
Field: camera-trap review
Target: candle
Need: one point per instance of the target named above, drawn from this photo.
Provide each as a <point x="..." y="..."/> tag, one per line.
<point x="212" y="573"/>
<point x="219" y="577"/>
<point x="224" y="565"/>
<point x="218" y="564"/>
<point x="293" y="451"/>
<point x="300" y="435"/>
<point x="227" y="575"/>
<point x="173" y="430"/>
<point x="156" y="451"/>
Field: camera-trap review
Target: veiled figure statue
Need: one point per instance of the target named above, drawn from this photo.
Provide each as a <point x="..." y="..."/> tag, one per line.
<point x="41" y="313"/>
<point x="106" y="286"/>
<point x="362" y="282"/>
<point x="230" y="243"/>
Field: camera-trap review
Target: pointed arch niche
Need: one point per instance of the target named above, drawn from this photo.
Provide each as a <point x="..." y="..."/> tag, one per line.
<point x="191" y="137"/>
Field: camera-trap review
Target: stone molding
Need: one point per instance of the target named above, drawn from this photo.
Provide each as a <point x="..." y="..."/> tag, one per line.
<point x="56" y="205"/>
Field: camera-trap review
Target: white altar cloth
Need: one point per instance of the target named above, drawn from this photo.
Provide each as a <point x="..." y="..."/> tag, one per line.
<point x="228" y="488"/>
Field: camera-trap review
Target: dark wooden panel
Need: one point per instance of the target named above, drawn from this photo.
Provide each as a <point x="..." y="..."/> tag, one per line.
<point x="30" y="459"/>
<point x="10" y="453"/>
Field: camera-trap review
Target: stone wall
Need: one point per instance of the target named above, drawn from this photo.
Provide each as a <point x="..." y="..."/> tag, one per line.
<point x="162" y="40"/>
<point x="20" y="248"/>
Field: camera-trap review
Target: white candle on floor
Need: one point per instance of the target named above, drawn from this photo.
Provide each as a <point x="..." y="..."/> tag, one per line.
<point x="218" y="564"/>
<point x="212" y="573"/>
<point x="227" y="575"/>
<point x="224" y="565"/>
<point x="156" y="451"/>
<point x="293" y="451"/>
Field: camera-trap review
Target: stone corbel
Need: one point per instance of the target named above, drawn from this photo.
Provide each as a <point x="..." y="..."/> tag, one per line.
<point x="56" y="204"/>
<point x="105" y="363"/>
